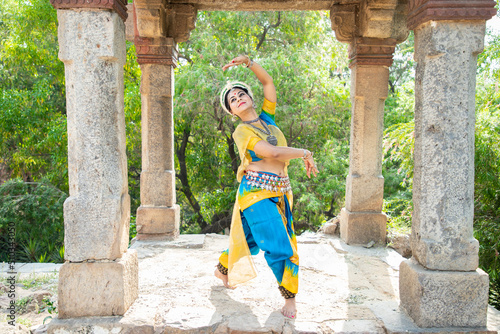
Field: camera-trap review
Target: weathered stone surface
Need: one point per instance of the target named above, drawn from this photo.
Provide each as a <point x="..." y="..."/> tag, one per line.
<point x="118" y="6"/>
<point x="96" y="214"/>
<point x="436" y="298"/>
<point x="129" y="23"/>
<point x="365" y="183"/>
<point x="331" y="227"/>
<point x="443" y="182"/>
<point x="400" y="243"/>
<point x="159" y="50"/>
<point x="361" y="228"/>
<point x="371" y="51"/>
<point x="98" y="288"/>
<point x="158" y="213"/>
<point x="356" y="287"/>
<point x="158" y="220"/>
<point x="150" y="18"/>
<point x="421" y="11"/>
<point x="158" y="188"/>
<point x="384" y="19"/>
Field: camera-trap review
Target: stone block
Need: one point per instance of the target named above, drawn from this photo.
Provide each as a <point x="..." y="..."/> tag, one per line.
<point x="157" y="79"/>
<point x="96" y="228"/>
<point x="361" y="228"/>
<point x="435" y="298"/>
<point x="364" y="193"/>
<point x="129" y="23"/>
<point x="150" y="20"/>
<point x="158" y="188"/>
<point x="158" y="220"/>
<point x="98" y="288"/>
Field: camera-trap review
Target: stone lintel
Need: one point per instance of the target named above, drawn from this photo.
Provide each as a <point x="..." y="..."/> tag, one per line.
<point x="372" y="51"/>
<point x="361" y="228"/>
<point x="422" y="11"/>
<point x="119" y="6"/>
<point x="434" y="298"/>
<point x="158" y="221"/>
<point x="104" y="288"/>
<point x="160" y="50"/>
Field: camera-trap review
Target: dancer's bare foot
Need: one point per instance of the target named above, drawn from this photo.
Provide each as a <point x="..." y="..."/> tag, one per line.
<point x="223" y="277"/>
<point x="289" y="310"/>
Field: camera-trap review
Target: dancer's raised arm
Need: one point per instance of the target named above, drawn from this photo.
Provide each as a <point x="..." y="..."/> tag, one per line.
<point x="265" y="79"/>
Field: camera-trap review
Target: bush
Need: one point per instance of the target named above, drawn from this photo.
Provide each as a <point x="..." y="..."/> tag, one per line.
<point x="36" y="209"/>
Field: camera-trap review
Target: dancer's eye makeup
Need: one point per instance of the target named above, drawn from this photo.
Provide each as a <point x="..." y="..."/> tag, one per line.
<point x="233" y="98"/>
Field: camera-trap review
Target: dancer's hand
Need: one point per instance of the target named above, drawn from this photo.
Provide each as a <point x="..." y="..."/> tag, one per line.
<point x="237" y="61"/>
<point x="310" y="166"/>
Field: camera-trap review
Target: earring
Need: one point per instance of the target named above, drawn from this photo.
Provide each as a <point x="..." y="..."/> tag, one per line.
<point x="233" y="118"/>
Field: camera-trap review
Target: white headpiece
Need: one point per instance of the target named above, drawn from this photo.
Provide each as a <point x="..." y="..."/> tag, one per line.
<point x="231" y="85"/>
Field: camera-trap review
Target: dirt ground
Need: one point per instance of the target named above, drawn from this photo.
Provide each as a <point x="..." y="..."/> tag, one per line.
<point x="35" y="301"/>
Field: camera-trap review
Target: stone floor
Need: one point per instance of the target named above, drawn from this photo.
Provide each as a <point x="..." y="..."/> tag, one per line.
<point x="342" y="289"/>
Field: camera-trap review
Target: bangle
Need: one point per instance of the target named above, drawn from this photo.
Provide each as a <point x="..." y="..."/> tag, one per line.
<point x="250" y="63"/>
<point x="305" y="154"/>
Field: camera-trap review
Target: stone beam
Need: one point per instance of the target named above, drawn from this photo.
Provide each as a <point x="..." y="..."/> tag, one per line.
<point x="445" y="253"/>
<point x="256" y="5"/>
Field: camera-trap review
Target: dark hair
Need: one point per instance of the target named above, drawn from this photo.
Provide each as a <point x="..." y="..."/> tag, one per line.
<point x="226" y="102"/>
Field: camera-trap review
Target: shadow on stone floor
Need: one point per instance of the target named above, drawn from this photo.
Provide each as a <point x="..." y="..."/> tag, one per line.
<point x="342" y="289"/>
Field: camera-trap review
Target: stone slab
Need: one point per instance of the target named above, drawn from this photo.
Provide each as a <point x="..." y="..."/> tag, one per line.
<point x="150" y="248"/>
<point x="362" y="228"/>
<point x="436" y="298"/>
<point x="98" y="288"/>
<point x="397" y="321"/>
<point x="158" y="220"/>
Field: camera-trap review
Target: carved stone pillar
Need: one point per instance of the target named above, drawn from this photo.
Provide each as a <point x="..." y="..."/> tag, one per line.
<point x="100" y="275"/>
<point x="159" y="215"/>
<point x="362" y="220"/>
<point x="441" y="286"/>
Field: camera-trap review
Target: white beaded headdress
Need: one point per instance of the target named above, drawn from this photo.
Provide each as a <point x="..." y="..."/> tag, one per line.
<point x="230" y="85"/>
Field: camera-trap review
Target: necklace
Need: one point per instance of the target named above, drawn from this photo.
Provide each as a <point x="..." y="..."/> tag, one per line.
<point x="270" y="138"/>
<point x="252" y="121"/>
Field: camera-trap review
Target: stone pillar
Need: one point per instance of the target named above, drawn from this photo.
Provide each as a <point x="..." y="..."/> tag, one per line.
<point x="97" y="212"/>
<point x="362" y="220"/>
<point x="159" y="215"/>
<point x="441" y="286"/>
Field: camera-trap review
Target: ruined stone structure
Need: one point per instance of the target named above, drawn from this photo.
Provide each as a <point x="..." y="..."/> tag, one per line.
<point x="440" y="286"/>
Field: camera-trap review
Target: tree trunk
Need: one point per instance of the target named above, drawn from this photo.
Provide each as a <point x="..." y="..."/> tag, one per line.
<point x="183" y="177"/>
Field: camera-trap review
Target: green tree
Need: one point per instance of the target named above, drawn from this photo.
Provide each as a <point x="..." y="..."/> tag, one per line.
<point x="32" y="96"/>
